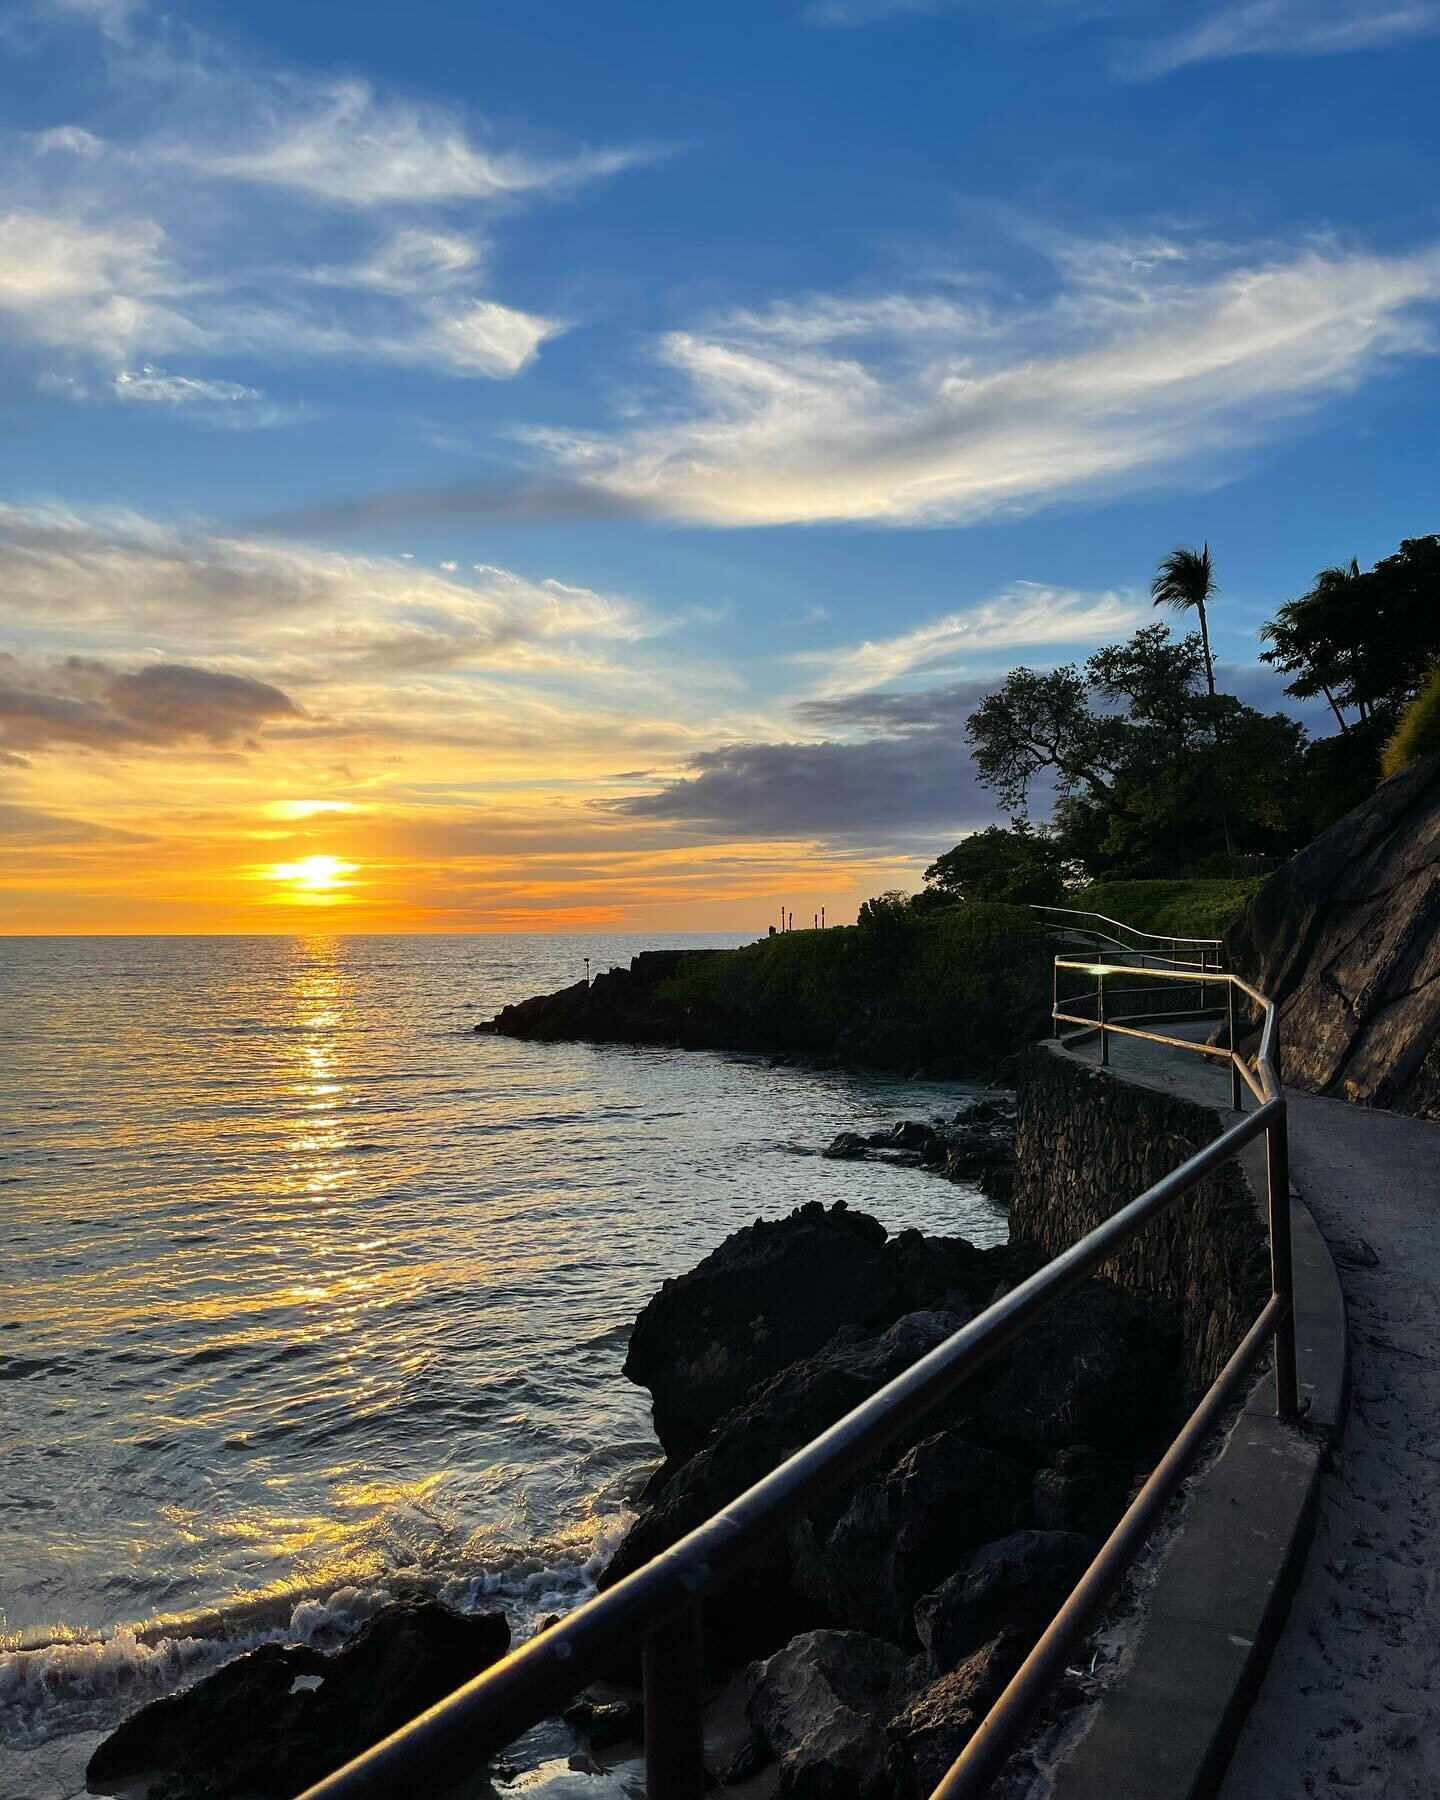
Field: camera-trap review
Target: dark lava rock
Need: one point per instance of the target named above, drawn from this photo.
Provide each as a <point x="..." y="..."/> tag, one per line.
<point x="940" y="1721"/>
<point x="1098" y="1367"/>
<point x="1017" y="1584"/>
<point x="620" y="1006"/>
<point x="900" y="1536"/>
<point x="605" y="1723"/>
<point x="1085" y="1492"/>
<point x="769" y="1294"/>
<point x="248" y="1730"/>
<point x="819" y="1704"/>
<point x="847" y="1146"/>
<point x="1346" y="937"/>
<point x="776" y="1419"/>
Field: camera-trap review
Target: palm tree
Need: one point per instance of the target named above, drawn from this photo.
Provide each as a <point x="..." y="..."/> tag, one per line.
<point x="1183" y="580"/>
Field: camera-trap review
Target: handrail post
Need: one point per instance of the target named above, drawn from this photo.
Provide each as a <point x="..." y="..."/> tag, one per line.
<point x="1054" y="996"/>
<point x="1277" y="1171"/>
<point x="1235" y="1083"/>
<point x="1104" y="1040"/>
<point x="674" y="1706"/>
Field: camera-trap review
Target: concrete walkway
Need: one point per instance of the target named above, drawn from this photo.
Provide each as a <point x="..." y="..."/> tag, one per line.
<point x="1351" y="1702"/>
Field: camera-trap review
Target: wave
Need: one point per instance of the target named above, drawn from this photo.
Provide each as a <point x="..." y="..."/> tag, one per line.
<point x="66" y="1680"/>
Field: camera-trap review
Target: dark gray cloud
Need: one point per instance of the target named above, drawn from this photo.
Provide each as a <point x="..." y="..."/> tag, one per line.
<point x="898" y="715"/>
<point x="912" y="792"/>
<point x="83" y="703"/>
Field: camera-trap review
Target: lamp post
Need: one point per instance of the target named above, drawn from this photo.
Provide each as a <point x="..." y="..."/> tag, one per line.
<point x="587" y="971"/>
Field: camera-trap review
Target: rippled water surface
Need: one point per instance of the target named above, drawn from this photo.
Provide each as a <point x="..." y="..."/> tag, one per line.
<point x="305" y="1283"/>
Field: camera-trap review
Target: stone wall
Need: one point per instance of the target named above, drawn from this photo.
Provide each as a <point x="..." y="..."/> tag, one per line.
<point x="1088" y="1141"/>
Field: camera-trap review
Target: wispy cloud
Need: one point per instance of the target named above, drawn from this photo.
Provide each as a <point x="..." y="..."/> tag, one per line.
<point x="1146" y="359"/>
<point x="337" y="143"/>
<point x="132" y="580"/>
<point x="109" y="259"/>
<point x="1284" y="28"/>
<point x="865" y="12"/>
<point x="1025" y="614"/>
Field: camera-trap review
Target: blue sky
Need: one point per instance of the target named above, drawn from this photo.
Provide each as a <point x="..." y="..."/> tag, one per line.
<point x="554" y="417"/>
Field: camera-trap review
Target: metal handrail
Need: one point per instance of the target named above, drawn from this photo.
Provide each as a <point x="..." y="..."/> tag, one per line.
<point x="1157" y="937"/>
<point x="660" y="1602"/>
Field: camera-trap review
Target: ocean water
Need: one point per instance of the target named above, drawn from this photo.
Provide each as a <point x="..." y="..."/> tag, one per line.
<point x="308" y="1289"/>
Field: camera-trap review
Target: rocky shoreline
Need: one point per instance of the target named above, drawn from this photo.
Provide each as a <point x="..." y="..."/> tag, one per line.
<point x="867" y="1642"/>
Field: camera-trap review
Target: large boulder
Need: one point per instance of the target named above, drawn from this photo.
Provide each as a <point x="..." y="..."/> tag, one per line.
<point x="271" y="1723"/>
<point x="1082" y="1491"/>
<point x="901" y="1535"/>
<point x="771" y="1293"/>
<point x="1016" y="1585"/>
<point x="1346" y="938"/>
<point x="1098" y="1367"/>
<point x="775" y="1420"/>
<point x="819" y="1705"/>
<point x="940" y="1721"/>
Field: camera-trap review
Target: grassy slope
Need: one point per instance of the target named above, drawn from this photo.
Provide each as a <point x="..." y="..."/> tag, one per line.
<point x="1181" y="908"/>
<point x="956" y="983"/>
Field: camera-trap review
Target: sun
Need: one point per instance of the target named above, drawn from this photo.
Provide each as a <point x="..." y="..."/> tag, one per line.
<point x="314" y="874"/>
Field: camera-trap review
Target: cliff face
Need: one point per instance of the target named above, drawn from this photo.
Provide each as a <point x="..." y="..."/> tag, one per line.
<point x="1346" y="937"/>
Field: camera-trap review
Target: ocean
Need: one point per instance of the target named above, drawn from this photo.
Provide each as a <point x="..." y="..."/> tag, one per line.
<point x="309" y="1289"/>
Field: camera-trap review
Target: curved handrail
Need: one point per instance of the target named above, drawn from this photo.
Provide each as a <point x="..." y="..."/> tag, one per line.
<point x="1080" y="912"/>
<point x="660" y="1601"/>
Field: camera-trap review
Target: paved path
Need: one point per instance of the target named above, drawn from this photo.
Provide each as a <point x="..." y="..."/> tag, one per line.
<point x="1351" y="1703"/>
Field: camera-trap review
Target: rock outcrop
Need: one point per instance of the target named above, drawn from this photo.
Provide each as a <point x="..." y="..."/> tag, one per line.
<point x="1346" y="938"/>
<point x="271" y="1723"/>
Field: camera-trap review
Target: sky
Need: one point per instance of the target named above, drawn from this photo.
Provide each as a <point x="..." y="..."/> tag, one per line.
<point x="559" y="466"/>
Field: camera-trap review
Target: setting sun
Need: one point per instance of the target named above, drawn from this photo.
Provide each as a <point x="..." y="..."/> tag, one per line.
<point x="314" y="873"/>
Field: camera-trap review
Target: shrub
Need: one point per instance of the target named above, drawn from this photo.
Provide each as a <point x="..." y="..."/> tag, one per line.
<point x="1187" y="908"/>
<point x="1418" y="733"/>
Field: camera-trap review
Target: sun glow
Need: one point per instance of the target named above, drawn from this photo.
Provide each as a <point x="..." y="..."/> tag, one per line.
<point x="315" y="874"/>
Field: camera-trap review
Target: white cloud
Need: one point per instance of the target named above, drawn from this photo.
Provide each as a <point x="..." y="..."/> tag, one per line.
<point x="1148" y="358"/>
<point x="157" y="387"/>
<point x="411" y="261"/>
<point x="1287" y="28"/>
<point x="77" y="578"/>
<point x="112" y="293"/>
<point x="340" y="145"/>
<point x="1023" y="614"/>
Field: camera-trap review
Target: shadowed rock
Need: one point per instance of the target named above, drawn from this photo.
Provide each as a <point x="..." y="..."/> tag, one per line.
<point x="820" y="1704"/>
<point x="249" y="1730"/>
<point x="1015" y="1585"/>
<point x="768" y="1295"/>
<point x="1346" y="937"/>
<point x="902" y="1535"/>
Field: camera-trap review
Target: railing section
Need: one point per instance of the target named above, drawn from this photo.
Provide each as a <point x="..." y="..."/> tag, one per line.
<point x="660" y="1606"/>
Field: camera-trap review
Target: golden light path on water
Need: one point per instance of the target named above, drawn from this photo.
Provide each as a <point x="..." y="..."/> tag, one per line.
<point x="310" y="1287"/>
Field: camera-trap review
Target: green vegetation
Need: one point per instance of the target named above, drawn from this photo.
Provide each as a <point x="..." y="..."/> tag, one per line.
<point x="959" y="985"/>
<point x="1196" y="908"/>
<point x="1418" y="733"/>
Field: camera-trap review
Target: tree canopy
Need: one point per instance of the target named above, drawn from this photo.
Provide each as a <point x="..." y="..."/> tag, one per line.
<point x="1147" y="766"/>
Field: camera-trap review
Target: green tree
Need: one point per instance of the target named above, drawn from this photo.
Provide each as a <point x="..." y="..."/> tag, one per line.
<point x="1149" y="770"/>
<point x="1365" y="641"/>
<point x="1018" y="865"/>
<point x="1185" y="582"/>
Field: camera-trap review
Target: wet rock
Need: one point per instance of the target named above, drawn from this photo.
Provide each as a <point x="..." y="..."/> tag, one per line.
<point x="847" y="1146"/>
<point x="605" y="1723"/>
<point x="1015" y="1585"/>
<point x="768" y="1295"/>
<point x="777" y="1418"/>
<point x="619" y="1006"/>
<point x="901" y="1535"/>
<point x="1084" y="1491"/>
<point x="939" y="1721"/>
<point x="820" y="1704"/>
<point x="275" y="1720"/>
